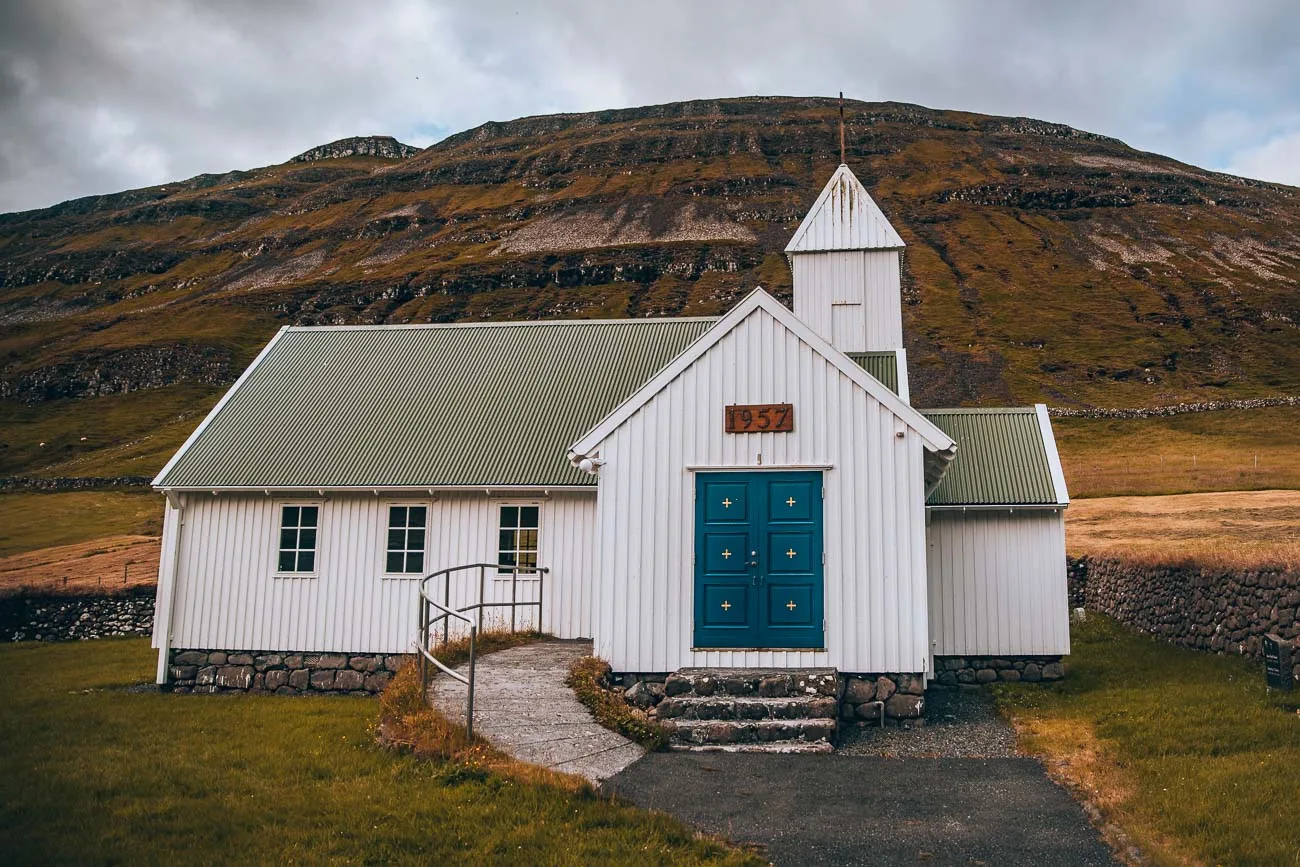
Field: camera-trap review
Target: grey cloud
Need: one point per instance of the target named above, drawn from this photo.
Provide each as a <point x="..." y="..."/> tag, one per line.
<point x="101" y="96"/>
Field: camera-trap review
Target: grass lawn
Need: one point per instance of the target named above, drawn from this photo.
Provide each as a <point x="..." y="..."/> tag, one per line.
<point x="1225" y="450"/>
<point x="30" y="520"/>
<point x="95" y="773"/>
<point x="1185" y="751"/>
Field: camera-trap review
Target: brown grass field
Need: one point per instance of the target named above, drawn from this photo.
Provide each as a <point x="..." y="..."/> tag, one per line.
<point x="106" y="565"/>
<point x="1238" y="529"/>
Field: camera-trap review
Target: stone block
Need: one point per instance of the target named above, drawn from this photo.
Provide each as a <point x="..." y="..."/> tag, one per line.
<point x="676" y="685"/>
<point x="276" y="678"/>
<point x="206" y="676"/>
<point x="190" y="657"/>
<point x="322" y="679"/>
<point x="858" y="690"/>
<point x="912" y="684"/>
<point x="259" y="680"/>
<point x="217" y="657"/>
<point x="394" y="662"/>
<point x="868" y="711"/>
<point x="293" y="660"/>
<point x="986" y="675"/>
<point x="948" y="678"/>
<point x="298" y="678"/>
<point x="240" y="659"/>
<point x="1053" y="671"/>
<point x="638" y="695"/>
<point x="377" y="681"/>
<point x="235" y="676"/>
<point x="656" y="690"/>
<point x="904" y="706"/>
<point x="268" y="660"/>
<point x="1033" y="672"/>
<point x="1009" y="674"/>
<point x="774" y="687"/>
<point x="885" y="688"/>
<point x="361" y="663"/>
<point x="348" y="679"/>
<point x="184" y="672"/>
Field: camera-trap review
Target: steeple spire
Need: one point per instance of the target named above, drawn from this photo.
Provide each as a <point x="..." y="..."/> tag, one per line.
<point x="842" y="160"/>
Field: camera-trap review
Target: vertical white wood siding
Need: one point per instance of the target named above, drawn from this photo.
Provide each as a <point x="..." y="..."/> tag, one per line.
<point x="226" y="595"/>
<point x="827" y="284"/>
<point x="997" y="583"/>
<point x="876" y="618"/>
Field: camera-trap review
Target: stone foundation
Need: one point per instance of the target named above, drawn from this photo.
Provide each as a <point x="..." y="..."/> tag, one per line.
<point x="902" y="697"/>
<point x="211" y="671"/>
<point x="954" y="671"/>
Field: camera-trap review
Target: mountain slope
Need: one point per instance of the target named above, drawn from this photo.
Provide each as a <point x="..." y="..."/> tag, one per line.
<point x="1043" y="263"/>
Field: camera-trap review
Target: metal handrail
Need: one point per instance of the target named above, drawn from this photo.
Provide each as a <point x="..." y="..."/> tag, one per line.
<point x="447" y="613"/>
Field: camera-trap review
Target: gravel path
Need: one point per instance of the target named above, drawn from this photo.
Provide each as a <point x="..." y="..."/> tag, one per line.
<point x="959" y="724"/>
<point x="523" y="706"/>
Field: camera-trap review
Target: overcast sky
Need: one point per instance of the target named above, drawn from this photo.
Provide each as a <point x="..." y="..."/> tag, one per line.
<point x="103" y="95"/>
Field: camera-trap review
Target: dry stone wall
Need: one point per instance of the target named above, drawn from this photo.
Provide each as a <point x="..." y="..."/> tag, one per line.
<point x="1219" y="610"/>
<point x="72" y="618"/>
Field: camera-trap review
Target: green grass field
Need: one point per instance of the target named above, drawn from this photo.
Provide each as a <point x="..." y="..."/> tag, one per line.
<point x="33" y="520"/>
<point x="1186" y="751"/>
<point x="95" y="773"/>
<point x="1225" y="450"/>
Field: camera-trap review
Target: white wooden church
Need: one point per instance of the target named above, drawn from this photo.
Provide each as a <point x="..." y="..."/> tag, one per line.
<point x="754" y="490"/>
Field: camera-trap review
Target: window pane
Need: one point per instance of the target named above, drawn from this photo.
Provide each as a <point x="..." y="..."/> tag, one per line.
<point x="509" y="516"/>
<point x="309" y="516"/>
<point x="415" y="540"/>
<point x="290" y="518"/>
<point x="397" y="516"/>
<point x="506" y="558"/>
<point x="306" y="561"/>
<point x="528" y="517"/>
<point x="527" y="540"/>
<point x="506" y="540"/>
<point x="307" y="539"/>
<point x="394" y="562"/>
<point x="286" y="561"/>
<point x="416" y="517"/>
<point x="396" y="540"/>
<point x="528" y="559"/>
<point x="289" y="538"/>
<point x="415" y="562"/>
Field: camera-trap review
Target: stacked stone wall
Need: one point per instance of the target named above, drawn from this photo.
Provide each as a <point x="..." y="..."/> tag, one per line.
<point x="901" y="696"/>
<point x="212" y="671"/>
<point x="72" y="618"/>
<point x="1217" y="610"/>
<point x="958" y="671"/>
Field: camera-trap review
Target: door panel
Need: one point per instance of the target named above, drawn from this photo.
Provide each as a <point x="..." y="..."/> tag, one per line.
<point x="758" y="560"/>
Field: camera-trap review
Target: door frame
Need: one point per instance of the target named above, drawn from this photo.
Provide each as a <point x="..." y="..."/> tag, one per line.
<point x="697" y="565"/>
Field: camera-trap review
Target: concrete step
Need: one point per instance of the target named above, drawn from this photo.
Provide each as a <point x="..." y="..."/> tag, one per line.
<point x="728" y="707"/>
<point x="780" y="747"/>
<point x="734" y="733"/>
<point x="762" y="682"/>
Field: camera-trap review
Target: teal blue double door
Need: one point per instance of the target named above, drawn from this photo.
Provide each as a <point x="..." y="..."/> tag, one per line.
<point x="759" y="576"/>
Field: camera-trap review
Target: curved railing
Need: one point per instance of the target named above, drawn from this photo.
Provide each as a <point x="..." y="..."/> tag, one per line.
<point x="432" y="612"/>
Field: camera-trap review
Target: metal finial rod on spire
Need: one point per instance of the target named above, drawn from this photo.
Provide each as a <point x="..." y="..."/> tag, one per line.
<point x="842" y="128"/>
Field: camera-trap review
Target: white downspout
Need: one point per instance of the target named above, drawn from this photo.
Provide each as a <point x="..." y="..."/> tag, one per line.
<point x="168" y="565"/>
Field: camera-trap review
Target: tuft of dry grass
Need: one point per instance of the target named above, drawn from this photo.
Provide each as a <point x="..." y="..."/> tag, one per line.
<point x="589" y="680"/>
<point x="1233" y="530"/>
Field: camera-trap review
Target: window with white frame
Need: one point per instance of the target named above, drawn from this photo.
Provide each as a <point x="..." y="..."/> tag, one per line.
<point x="298" y="528"/>
<point x="405" y="551"/>
<point x="517" y="539"/>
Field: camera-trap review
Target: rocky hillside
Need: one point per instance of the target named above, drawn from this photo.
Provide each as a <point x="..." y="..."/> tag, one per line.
<point x="1044" y="263"/>
<point x="359" y="146"/>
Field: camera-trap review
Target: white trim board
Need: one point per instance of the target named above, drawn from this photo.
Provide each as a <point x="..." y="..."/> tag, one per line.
<point x="1053" y="456"/>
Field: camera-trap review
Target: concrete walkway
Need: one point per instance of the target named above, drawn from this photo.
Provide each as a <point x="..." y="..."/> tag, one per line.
<point x="522" y="705"/>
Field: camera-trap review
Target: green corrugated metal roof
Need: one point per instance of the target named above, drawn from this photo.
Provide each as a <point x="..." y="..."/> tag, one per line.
<point x="489" y="404"/>
<point x="1000" y="458"/>
<point x="882" y="365"/>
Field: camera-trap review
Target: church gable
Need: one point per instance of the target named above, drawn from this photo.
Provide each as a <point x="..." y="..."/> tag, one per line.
<point x="844" y="217"/>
